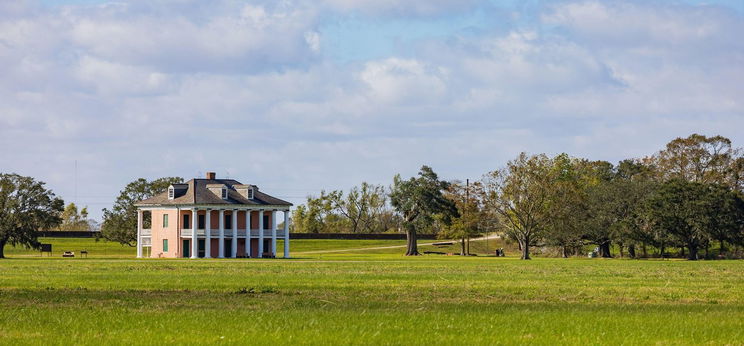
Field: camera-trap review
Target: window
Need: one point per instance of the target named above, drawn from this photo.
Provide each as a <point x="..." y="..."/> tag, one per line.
<point x="165" y="245"/>
<point x="224" y="193"/>
<point x="165" y="220"/>
<point x="171" y="193"/>
<point x="250" y="193"/>
<point x="266" y="221"/>
<point x="200" y="219"/>
<point x="186" y="221"/>
<point x="228" y="221"/>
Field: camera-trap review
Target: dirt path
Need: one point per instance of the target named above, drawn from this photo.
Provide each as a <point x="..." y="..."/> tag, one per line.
<point x="495" y="236"/>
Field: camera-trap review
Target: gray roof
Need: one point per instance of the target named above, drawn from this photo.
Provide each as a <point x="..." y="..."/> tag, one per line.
<point x="195" y="191"/>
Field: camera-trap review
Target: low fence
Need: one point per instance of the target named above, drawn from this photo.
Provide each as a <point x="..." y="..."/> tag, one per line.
<point x="348" y="236"/>
<point x="359" y="236"/>
<point x="69" y="234"/>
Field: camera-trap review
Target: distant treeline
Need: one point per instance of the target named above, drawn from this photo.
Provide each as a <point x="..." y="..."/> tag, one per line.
<point x="687" y="196"/>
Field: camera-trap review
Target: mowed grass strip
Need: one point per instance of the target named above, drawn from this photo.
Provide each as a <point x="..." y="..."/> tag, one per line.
<point x="371" y="299"/>
<point x="106" y="249"/>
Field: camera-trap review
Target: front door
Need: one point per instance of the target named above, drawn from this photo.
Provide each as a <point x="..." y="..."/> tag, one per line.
<point x="202" y="249"/>
<point x="186" y="248"/>
<point x="228" y="247"/>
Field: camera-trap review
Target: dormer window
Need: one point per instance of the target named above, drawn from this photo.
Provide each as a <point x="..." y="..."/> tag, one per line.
<point x="224" y="193"/>
<point x="171" y="192"/>
<point x="250" y="193"/>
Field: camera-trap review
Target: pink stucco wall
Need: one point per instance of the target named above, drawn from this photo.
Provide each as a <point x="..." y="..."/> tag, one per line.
<point x="175" y="224"/>
<point x="159" y="233"/>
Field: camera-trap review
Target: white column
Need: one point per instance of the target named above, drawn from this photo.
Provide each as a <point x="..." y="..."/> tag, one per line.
<point x="221" y="253"/>
<point x="273" y="233"/>
<point x="248" y="233"/>
<point x="208" y="232"/>
<point x="260" y="233"/>
<point x="234" y="251"/>
<point x="194" y="237"/>
<point x="286" y="233"/>
<point x="139" y="233"/>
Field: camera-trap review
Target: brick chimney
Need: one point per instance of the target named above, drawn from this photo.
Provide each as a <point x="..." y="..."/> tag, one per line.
<point x="211" y="175"/>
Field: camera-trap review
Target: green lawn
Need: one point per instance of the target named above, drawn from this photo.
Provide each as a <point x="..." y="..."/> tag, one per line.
<point x="304" y="248"/>
<point x="359" y="298"/>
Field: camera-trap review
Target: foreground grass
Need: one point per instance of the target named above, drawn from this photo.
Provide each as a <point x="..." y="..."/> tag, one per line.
<point x="371" y="299"/>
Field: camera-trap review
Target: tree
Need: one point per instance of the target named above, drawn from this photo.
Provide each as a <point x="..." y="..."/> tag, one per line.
<point x="679" y="208"/>
<point x="723" y="214"/>
<point x="419" y="199"/>
<point x="313" y="216"/>
<point x="701" y="159"/>
<point x="568" y="204"/>
<point x="25" y="208"/>
<point x="361" y="207"/>
<point x="520" y="195"/>
<point x="72" y="220"/>
<point x="470" y="216"/>
<point x="120" y="223"/>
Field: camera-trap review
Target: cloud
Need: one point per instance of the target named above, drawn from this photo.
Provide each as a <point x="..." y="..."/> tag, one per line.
<point x="177" y="87"/>
<point x="396" y="8"/>
<point x="652" y="25"/>
<point x="403" y="82"/>
<point x="241" y="39"/>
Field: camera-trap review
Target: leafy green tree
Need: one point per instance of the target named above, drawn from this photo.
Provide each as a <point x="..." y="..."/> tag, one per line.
<point x="26" y="207"/>
<point x="519" y="195"/>
<point x="72" y="220"/>
<point x="419" y="200"/>
<point x="698" y="158"/>
<point x="361" y="207"/>
<point x="608" y="206"/>
<point x="568" y="200"/>
<point x="723" y="215"/>
<point x="679" y="208"/>
<point x="120" y="223"/>
<point x="314" y="216"/>
<point x="468" y="223"/>
<point x="737" y="173"/>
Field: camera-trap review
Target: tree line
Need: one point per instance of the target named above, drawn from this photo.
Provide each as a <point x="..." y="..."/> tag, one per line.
<point x="687" y="197"/>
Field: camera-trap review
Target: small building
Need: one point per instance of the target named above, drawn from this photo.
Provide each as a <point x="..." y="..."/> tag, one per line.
<point x="212" y="218"/>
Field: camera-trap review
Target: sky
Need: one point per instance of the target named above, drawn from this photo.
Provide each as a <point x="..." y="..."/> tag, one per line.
<point x="309" y="95"/>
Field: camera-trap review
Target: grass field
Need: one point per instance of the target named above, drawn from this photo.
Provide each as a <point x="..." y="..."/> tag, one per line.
<point x="359" y="298"/>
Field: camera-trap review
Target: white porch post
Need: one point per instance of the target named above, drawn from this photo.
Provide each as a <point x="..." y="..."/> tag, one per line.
<point x="260" y="233"/>
<point x="139" y="233"/>
<point x="273" y="233"/>
<point x="221" y="246"/>
<point x="234" y="244"/>
<point x="194" y="237"/>
<point x="208" y="232"/>
<point x="286" y="233"/>
<point x="248" y="233"/>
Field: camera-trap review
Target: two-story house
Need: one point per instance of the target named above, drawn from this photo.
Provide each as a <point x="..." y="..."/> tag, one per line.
<point x="212" y="218"/>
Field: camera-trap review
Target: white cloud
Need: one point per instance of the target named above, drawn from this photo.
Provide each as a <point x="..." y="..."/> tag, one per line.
<point x="630" y="24"/>
<point x="141" y="89"/>
<point x="402" y="8"/>
<point x="251" y="38"/>
<point x="403" y="82"/>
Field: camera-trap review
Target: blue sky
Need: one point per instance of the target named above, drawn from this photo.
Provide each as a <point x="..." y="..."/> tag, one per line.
<point x="299" y="96"/>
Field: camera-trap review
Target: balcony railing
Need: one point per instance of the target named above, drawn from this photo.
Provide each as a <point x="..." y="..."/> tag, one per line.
<point x="228" y="233"/>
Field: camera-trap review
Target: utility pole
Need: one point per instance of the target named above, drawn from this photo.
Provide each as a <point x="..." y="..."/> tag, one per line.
<point x="467" y="206"/>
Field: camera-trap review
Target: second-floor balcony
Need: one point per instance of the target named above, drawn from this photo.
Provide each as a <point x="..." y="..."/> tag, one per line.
<point x="214" y="233"/>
